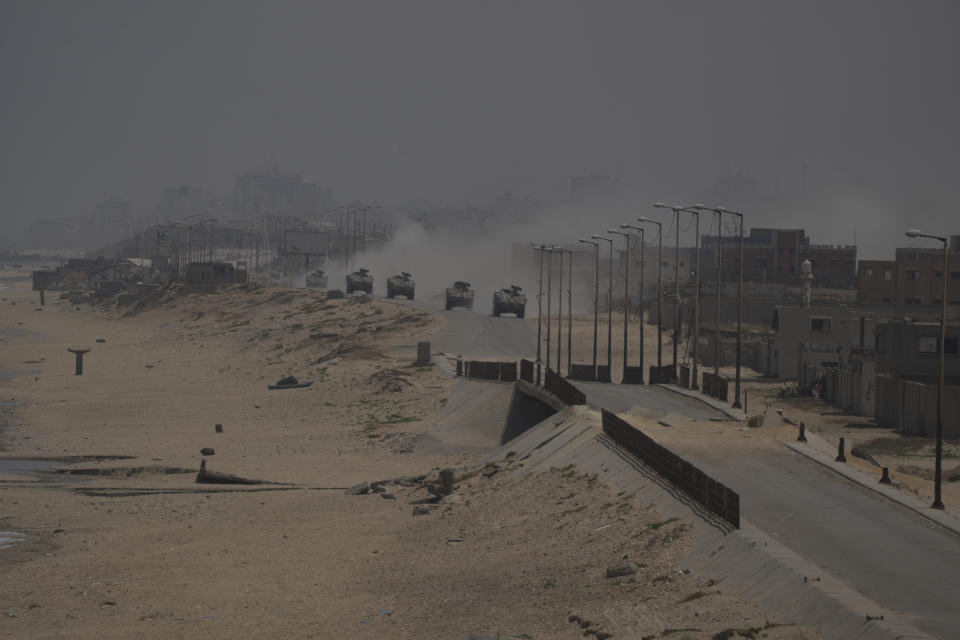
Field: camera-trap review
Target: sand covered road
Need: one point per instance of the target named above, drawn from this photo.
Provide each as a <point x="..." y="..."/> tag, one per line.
<point x="145" y="552"/>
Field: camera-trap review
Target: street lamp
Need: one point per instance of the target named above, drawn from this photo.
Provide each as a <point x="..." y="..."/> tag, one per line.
<point x="696" y="302"/>
<point x="569" y="312"/>
<point x="659" y="290"/>
<point x="676" y="277"/>
<point x="736" y="391"/>
<point x="914" y="233"/>
<point x="558" y="250"/>
<point x="596" y="297"/>
<point x="540" y="248"/>
<point x="609" y="311"/>
<point x="626" y="295"/>
<point x="642" y="261"/>
<point x="716" y="335"/>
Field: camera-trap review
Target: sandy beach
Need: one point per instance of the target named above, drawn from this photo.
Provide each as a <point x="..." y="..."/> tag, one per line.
<point x="124" y="544"/>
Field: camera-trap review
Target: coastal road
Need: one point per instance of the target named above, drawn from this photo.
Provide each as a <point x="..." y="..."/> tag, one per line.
<point x="879" y="548"/>
<point x="473" y="334"/>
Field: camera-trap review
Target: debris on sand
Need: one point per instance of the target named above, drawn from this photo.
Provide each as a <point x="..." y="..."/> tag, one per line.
<point x="389" y="381"/>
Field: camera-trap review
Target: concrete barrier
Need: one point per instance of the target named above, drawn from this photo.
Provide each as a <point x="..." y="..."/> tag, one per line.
<point x="714" y="496"/>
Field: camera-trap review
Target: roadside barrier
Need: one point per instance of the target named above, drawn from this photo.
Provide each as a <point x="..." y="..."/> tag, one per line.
<point x="526" y="370"/>
<point x="558" y="386"/>
<point x="662" y="375"/>
<point x="632" y="375"/>
<point x="584" y="372"/>
<point x="715" y="386"/>
<point x="497" y="371"/>
<point x="684" y="376"/>
<point x="603" y="373"/>
<point x="714" y="496"/>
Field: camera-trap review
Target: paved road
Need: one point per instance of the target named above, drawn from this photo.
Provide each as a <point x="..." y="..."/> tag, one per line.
<point x="472" y="334"/>
<point x="886" y="552"/>
<point x="657" y="402"/>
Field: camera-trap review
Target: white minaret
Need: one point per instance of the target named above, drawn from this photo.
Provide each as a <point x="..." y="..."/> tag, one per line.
<point x="806" y="277"/>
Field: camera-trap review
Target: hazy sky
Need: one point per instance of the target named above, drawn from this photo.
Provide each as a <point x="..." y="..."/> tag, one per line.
<point x="456" y="101"/>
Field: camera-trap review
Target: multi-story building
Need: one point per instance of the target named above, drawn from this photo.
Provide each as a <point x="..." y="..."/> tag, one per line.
<point x="774" y="256"/>
<point x="268" y="192"/>
<point x="914" y="277"/>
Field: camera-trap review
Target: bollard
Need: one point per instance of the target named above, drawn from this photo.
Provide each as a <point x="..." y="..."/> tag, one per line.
<point x="79" y="353"/>
<point x="885" y="478"/>
<point x="745" y="401"/>
<point x="218" y="428"/>
<point x="43" y="300"/>
<point x="803" y="433"/>
<point x="840" y="457"/>
<point x="423" y="353"/>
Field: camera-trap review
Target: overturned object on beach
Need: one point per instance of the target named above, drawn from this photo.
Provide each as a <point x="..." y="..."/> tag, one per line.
<point x="216" y="477"/>
<point x="290" y="382"/>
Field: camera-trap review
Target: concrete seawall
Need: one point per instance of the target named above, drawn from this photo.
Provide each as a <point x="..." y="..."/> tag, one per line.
<point x="745" y="562"/>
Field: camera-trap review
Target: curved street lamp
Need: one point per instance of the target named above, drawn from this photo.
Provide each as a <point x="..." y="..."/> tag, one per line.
<point x="596" y="297"/>
<point x="938" y="465"/>
<point x="659" y="288"/>
<point x="676" y="278"/>
<point x="609" y="311"/>
<point x="642" y="262"/>
<point x="626" y="296"/>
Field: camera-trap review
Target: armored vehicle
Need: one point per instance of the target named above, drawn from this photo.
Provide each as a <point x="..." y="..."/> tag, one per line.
<point x="317" y="280"/>
<point x="401" y="285"/>
<point x="509" y="301"/>
<point x="360" y="280"/>
<point x="459" y="295"/>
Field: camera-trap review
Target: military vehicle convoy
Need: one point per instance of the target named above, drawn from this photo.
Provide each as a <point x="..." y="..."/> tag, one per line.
<point x="360" y="280"/>
<point x="317" y="280"/>
<point x="509" y="301"/>
<point x="459" y="295"/>
<point x="401" y="285"/>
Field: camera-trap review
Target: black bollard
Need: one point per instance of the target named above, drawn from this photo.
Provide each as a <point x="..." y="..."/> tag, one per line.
<point x="745" y="401"/>
<point x="885" y="478"/>
<point x="840" y="457"/>
<point x="218" y="428"/>
<point x="79" y="353"/>
<point x="803" y="433"/>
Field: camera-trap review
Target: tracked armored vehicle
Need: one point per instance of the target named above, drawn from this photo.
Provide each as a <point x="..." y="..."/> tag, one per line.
<point x="317" y="280"/>
<point x="459" y="295"/>
<point x="360" y="280"/>
<point x="401" y="285"/>
<point x="509" y="301"/>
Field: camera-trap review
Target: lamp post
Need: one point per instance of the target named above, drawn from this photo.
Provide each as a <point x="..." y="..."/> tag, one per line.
<point x="596" y="297"/>
<point x="569" y="312"/>
<point x="736" y="391"/>
<point x="549" y="290"/>
<point x="914" y="233"/>
<point x="696" y="302"/>
<point x="659" y="289"/>
<point x="676" y="279"/>
<point x="540" y="248"/>
<point x="642" y="261"/>
<point x="716" y="335"/>
<point x="559" y="251"/>
<point x="626" y="294"/>
<point x="609" y="312"/>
